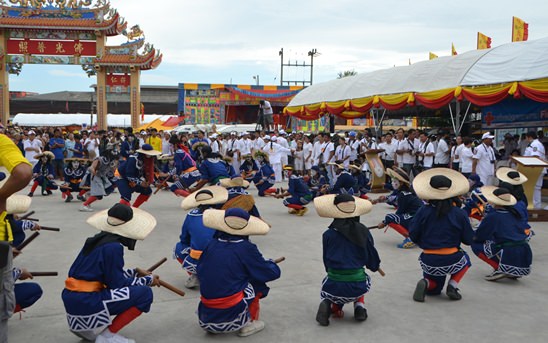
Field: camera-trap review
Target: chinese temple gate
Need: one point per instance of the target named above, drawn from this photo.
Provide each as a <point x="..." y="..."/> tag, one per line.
<point x="74" y="32"/>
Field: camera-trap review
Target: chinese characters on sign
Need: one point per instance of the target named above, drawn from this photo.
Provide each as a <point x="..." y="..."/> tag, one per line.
<point x="114" y="80"/>
<point x="50" y="47"/>
<point x="59" y="3"/>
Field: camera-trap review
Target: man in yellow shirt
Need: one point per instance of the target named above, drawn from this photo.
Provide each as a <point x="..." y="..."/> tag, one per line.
<point x="20" y="175"/>
<point x="155" y="140"/>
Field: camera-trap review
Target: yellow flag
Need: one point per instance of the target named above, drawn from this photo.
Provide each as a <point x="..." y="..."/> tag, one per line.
<point x="432" y="56"/>
<point x="484" y="42"/>
<point x="520" y="30"/>
<point x="453" y="50"/>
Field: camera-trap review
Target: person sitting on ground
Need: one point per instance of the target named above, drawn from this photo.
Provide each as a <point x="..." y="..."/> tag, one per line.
<point x="233" y="274"/>
<point x="513" y="181"/>
<point x="407" y="205"/>
<point x="348" y="247"/>
<point x="439" y="228"/>
<point x="265" y="177"/>
<point x="44" y="174"/>
<point x="500" y="239"/>
<point x="298" y="194"/>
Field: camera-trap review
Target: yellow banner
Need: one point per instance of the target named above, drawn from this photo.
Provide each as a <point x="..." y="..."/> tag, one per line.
<point x="432" y="55"/>
<point x="453" y="50"/>
<point x="484" y="42"/>
<point x="520" y="30"/>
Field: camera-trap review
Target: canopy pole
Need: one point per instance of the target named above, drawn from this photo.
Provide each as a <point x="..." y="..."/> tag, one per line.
<point x="457" y="119"/>
<point x="452" y="119"/>
<point x="378" y="123"/>
<point x="464" y="119"/>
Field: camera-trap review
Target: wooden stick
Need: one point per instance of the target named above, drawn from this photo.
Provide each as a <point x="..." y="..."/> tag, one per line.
<point x="28" y="241"/>
<point x="33" y="219"/>
<point x="37" y="274"/>
<point x="373" y="227"/>
<point x="279" y="260"/>
<point x="27" y="215"/>
<point x="45" y="228"/>
<point x="156" y="265"/>
<point x="383" y="274"/>
<point x="163" y="283"/>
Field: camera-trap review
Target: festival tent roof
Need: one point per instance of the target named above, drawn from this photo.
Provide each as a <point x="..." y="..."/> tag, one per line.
<point x="482" y="77"/>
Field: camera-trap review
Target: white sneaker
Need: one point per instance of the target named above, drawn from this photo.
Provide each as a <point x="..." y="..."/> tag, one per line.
<point x="192" y="282"/>
<point x="495" y="276"/>
<point x="109" y="337"/>
<point x="85" y="208"/>
<point x="251" y="328"/>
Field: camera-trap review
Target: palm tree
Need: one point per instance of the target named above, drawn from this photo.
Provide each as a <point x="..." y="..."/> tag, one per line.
<point x="347" y="73"/>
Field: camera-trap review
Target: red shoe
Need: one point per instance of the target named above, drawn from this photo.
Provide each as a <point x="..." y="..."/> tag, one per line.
<point x="181" y="193"/>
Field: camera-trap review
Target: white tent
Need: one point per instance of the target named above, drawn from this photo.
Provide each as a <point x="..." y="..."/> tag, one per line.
<point x="510" y="62"/>
<point x="60" y="119"/>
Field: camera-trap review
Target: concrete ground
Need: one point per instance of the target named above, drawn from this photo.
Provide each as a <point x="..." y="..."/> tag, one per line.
<point x="489" y="312"/>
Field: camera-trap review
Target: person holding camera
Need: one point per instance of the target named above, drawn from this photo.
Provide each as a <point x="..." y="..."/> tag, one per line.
<point x="425" y="154"/>
<point x="268" y="114"/>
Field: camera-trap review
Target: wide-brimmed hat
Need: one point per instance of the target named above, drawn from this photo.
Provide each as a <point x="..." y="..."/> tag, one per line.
<point x="498" y="196"/>
<point x="236" y="181"/>
<point x="124" y="221"/>
<point x="260" y="154"/>
<point x="399" y="174"/>
<point x="48" y="154"/>
<point x="17" y="204"/>
<point x="341" y="206"/>
<point x="148" y="150"/>
<point x="76" y="159"/>
<point x="440" y="184"/>
<point x="235" y="221"/>
<point x="511" y="176"/>
<point x="211" y="195"/>
<point x="165" y="157"/>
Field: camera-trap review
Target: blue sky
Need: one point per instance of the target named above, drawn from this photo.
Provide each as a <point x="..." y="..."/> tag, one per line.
<point x="220" y="41"/>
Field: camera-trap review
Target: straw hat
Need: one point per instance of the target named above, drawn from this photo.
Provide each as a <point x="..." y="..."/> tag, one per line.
<point x="75" y="159"/>
<point x="440" y="184"/>
<point x="48" y="154"/>
<point x="124" y="221"/>
<point x="399" y="174"/>
<point x="236" y="181"/>
<point x="355" y="167"/>
<point x="498" y="196"/>
<point x="511" y="176"/>
<point x="17" y="204"/>
<point x="341" y="206"/>
<point x="165" y="157"/>
<point x="212" y="195"/>
<point x="148" y="150"/>
<point x="235" y="221"/>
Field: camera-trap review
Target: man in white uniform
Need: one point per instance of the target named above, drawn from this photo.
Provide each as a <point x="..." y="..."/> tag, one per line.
<point x="32" y="147"/>
<point x="389" y="146"/>
<point x="484" y="160"/>
<point x="425" y="155"/>
<point x="536" y="148"/>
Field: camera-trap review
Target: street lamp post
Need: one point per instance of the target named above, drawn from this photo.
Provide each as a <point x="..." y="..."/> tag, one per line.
<point x="256" y="78"/>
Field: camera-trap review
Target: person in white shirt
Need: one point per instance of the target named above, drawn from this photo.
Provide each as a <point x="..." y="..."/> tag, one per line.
<point x="283" y="142"/>
<point x="307" y="154"/>
<point x="166" y="145"/>
<point x="354" y="145"/>
<point x="92" y="145"/>
<point x="407" y="149"/>
<point x="233" y="150"/>
<point x="245" y="145"/>
<point x="389" y="146"/>
<point x="398" y="160"/>
<point x="258" y="143"/>
<point x="328" y="155"/>
<point x="425" y="154"/>
<point x="455" y="153"/>
<point x="275" y="152"/>
<point x="32" y="147"/>
<point x="342" y="153"/>
<point x="442" y="157"/>
<point x="484" y="160"/>
<point x="317" y="151"/>
<point x="215" y="145"/>
<point x="536" y="148"/>
<point x="466" y="155"/>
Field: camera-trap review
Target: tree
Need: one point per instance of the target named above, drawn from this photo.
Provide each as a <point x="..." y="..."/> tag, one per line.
<point x="347" y="73"/>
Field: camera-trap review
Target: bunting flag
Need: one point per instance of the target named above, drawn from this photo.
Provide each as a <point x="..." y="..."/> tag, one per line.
<point x="432" y="55"/>
<point x="484" y="42"/>
<point x="453" y="50"/>
<point x="520" y="30"/>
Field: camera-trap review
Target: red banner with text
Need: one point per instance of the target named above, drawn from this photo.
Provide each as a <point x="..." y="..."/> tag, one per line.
<point x="49" y="47"/>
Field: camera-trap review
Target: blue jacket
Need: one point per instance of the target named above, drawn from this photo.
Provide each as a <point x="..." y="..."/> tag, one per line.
<point x="500" y="226"/>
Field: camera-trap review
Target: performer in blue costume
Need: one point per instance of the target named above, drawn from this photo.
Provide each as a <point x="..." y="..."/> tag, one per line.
<point x="439" y="228"/>
<point x="345" y="184"/>
<point x="348" y="247"/>
<point x="500" y="240"/>
<point x="233" y="274"/>
<point x="475" y="202"/>
<point x="195" y="236"/>
<point x="298" y="194"/>
<point x="249" y="167"/>
<point x="513" y="181"/>
<point x="43" y="174"/>
<point x="238" y="196"/>
<point x="98" y="287"/>
<point x="407" y="205"/>
<point x="265" y="177"/>
<point x="317" y="182"/>
<point x="187" y="171"/>
<point x="361" y="182"/>
<point x="75" y="169"/>
<point x="212" y="169"/>
<point x="136" y="175"/>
